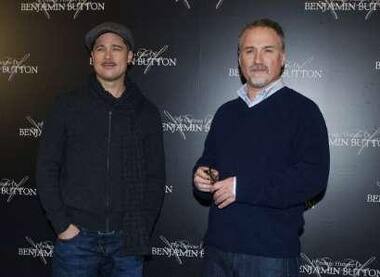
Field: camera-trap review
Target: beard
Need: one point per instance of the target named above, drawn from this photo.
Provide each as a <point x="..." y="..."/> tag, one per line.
<point x="258" y="82"/>
<point x="258" y="75"/>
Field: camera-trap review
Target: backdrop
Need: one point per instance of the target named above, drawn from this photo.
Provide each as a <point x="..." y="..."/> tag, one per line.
<point x="186" y="63"/>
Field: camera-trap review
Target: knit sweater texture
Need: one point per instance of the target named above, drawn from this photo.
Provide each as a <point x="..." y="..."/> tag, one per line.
<point x="278" y="150"/>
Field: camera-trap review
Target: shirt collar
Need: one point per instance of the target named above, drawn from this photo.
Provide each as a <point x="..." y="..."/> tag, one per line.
<point x="262" y="94"/>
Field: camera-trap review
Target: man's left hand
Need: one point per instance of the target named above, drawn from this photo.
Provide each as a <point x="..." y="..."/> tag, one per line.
<point x="223" y="192"/>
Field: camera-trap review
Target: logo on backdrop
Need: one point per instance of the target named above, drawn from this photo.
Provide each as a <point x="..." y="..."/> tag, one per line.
<point x="293" y="70"/>
<point x="179" y="250"/>
<point x="185" y="3"/>
<point x="16" y="66"/>
<point x="219" y="4"/>
<point x="362" y="140"/>
<point x="374" y="198"/>
<point x="33" y="130"/>
<point x="302" y="70"/>
<point x="327" y="266"/>
<point x="233" y="72"/>
<point x="148" y="58"/>
<point x="377" y="65"/>
<point x="40" y="250"/>
<point x="74" y="7"/>
<point x="185" y="124"/>
<point x="338" y="7"/>
<point x="169" y="189"/>
<point x="10" y="188"/>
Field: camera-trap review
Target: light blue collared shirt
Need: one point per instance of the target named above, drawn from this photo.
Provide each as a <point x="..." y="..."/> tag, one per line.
<point x="262" y="94"/>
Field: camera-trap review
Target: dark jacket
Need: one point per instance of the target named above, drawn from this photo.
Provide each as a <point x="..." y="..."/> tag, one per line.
<point x="101" y="163"/>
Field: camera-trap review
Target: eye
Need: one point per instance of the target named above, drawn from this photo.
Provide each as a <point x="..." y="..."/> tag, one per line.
<point x="99" y="48"/>
<point x="117" y="47"/>
<point x="248" y="51"/>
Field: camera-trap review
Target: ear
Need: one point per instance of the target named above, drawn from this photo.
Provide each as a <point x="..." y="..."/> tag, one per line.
<point x="91" y="57"/>
<point x="283" y="59"/>
<point x="130" y="57"/>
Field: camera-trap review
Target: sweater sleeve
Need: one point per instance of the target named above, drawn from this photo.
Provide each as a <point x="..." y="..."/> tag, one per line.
<point x="208" y="156"/>
<point x="49" y="167"/>
<point x="299" y="182"/>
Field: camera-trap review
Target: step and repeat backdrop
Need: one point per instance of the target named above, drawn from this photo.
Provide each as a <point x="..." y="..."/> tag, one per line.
<point x="186" y="62"/>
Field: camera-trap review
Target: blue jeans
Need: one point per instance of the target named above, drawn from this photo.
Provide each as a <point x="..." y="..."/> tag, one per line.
<point x="92" y="254"/>
<point x="218" y="263"/>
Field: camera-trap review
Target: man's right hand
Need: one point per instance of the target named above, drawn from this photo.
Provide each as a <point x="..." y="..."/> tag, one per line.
<point x="71" y="232"/>
<point x="202" y="179"/>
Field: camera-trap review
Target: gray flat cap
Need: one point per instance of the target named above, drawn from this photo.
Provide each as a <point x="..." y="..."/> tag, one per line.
<point x="109" y="27"/>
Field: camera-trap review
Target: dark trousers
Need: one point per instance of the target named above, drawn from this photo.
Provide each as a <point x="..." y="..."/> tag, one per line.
<point x="218" y="263"/>
<point x="92" y="254"/>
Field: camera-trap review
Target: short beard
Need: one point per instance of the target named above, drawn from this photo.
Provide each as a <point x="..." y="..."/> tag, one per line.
<point x="257" y="83"/>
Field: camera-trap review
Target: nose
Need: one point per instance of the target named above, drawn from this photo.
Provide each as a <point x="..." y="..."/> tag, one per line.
<point x="108" y="53"/>
<point x="257" y="58"/>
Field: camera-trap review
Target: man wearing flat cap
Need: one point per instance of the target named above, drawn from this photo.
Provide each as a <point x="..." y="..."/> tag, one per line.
<point x="100" y="168"/>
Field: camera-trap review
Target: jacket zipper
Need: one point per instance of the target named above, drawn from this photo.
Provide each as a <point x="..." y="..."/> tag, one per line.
<point x="108" y="186"/>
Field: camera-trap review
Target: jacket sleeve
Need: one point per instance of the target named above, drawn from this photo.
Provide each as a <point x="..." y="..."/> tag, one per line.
<point x="301" y="181"/>
<point x="155" y="172"/>
<point x="49" y="167"/>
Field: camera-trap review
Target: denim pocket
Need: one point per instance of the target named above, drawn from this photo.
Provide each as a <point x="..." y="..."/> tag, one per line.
<point x="71" y="239"/>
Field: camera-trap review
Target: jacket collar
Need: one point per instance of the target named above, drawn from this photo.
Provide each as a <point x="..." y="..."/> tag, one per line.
<point x="131" y="97"/>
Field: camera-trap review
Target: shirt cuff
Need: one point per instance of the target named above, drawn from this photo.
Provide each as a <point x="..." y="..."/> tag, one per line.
<point x="234" y="186"/>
